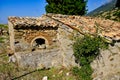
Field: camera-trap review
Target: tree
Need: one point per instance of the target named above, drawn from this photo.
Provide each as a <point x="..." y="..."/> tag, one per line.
<point x="118" y="3"/>
<point x="68" y="7"/>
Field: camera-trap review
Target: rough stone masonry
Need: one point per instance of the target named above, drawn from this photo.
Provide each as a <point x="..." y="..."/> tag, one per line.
<point x="46" y="41"/>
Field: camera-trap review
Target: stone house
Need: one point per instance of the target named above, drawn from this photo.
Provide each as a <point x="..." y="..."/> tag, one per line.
<point x="46" y="41"/>
<point x="31" y="33"/>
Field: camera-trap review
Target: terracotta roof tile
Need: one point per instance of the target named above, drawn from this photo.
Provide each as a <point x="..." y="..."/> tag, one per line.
<point x="108" y="27"/>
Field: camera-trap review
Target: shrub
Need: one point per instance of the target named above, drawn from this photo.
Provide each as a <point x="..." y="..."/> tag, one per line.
<point x="117" y="13"/>
<point x="87" y="48"/>
<point x="83" y="73"/>
<point x="1" y="39"/>
<point x="85" y="51"/>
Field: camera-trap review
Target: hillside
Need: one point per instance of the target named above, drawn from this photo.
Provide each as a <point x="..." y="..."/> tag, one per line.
<point x="109" y="10"/>
<point x="113" y="14"/>
<point x="103" y="8"/>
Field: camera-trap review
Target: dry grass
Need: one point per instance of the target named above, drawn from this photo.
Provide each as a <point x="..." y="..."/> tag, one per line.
<point x="9" y="71"/>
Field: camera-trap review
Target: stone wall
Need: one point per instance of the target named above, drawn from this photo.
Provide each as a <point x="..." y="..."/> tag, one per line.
<point x="107" y="64"/>
<point x="59" y="55"/>
<point x="59" y="36"/>
<point x="24" y="39"/>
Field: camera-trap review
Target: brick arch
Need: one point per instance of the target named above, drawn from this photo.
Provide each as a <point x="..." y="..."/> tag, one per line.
<point x="40" y="37"/>
<point x="30" y="38"/>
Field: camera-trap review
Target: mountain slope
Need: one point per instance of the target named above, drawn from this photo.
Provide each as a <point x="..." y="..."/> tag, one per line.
<point x="103" y="8"/>
<point x="113" y="14"/>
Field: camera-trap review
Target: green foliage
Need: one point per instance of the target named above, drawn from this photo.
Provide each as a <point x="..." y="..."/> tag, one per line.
<point x="68" y="7"/>
<point x="83" y="73"/>
<point x="3" y="26"/>
<point x="118" y="4"/>
<point x="1" y="39"/>
<point x="85" y="51"/>
<point x="86" y="48"/>
<point x="117" y="13"/>
<point x="108" y="17"/>
<point x="113" y="14"/>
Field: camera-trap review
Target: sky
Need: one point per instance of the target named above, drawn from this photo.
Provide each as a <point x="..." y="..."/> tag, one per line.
<point x="33" y="8"/>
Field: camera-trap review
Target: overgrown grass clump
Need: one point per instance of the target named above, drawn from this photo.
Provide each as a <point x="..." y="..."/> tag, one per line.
<point x="3" y="26"/>
<point x="85" y="51"/>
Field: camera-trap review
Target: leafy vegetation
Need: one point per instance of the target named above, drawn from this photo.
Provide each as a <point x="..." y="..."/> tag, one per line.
<point x="118" y="4"/>
<point x="1" y="39"/>
<point x="112" y="14"/>
<point x="85" y="51"/>
<point x="83" y="73"/>
<point x="88" y="47"/>
<point x="68" y="7"/>
<point x="117" y="13"/>
<point x="3" y="26"/>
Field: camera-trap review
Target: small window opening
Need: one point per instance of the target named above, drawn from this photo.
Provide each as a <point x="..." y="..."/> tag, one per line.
<point x="39" y="43"/>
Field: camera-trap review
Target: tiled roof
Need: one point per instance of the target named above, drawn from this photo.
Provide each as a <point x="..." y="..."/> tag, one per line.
<point x="86" y="24"/>
<point x="31" y="21"/>
<point x="107" y="27"/>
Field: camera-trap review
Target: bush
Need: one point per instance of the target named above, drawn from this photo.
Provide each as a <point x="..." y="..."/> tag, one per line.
<point x="85" y="51"/>
<point x="87" y="48"/>
<point x="83" y="73"/>
<point x="1" y="39"/>
<point x="117" y="13"/>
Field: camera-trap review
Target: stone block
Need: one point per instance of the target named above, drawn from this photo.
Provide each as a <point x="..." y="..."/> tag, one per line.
<point x="114" y="50"/>
<point x="117" y="44"/>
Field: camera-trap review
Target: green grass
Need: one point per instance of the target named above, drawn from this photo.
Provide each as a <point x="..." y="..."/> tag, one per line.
<point x="1" y="39"/>
<point x="83" y="73"/>
<point x="3" y="26"/>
